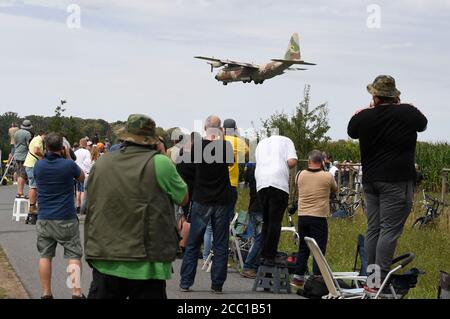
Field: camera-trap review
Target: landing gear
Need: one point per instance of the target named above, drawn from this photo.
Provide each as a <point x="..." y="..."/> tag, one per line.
<point x="259" y="82"/>
<point x="224" y="83"/>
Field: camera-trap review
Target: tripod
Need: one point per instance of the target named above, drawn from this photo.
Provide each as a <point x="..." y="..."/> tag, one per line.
<point x="8" y="165"/>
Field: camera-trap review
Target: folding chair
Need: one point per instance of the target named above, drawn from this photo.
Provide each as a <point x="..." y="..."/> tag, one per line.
<point x="331" y="279"/>
<point x="237" y="244"/>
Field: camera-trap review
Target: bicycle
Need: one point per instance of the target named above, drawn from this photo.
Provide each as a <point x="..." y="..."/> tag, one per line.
<point x="347" y="204"/>
<point x="433" y="209"/>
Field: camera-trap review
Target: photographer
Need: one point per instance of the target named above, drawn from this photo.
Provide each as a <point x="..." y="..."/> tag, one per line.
<point x="314" y="187"/>
<point x="387" y="133"/>
<point x="57" y="220"/>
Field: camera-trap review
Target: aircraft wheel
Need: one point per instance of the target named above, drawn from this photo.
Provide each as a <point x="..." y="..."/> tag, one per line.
<point x="225" y="83"/>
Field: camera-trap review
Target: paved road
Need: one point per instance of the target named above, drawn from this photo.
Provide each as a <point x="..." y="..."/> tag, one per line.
<point x="19" y="243"/>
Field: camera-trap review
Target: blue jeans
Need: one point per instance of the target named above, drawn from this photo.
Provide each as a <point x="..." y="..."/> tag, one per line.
<point x="208" y="238"/>
<point x="220" y="224"/>
<point x="252" y="261"/>
<point x="207" y="241"/>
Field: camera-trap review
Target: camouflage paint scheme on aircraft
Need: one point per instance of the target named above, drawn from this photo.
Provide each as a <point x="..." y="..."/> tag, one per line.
<point x="234" y="71"/>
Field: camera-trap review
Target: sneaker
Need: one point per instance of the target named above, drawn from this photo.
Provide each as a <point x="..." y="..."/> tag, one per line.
<point x="248" y="273"/>
<point x="188" y="289"/>
<point x="216" y="289"/>
<point x="78" y="296"/>
<point x="47" y="297"/>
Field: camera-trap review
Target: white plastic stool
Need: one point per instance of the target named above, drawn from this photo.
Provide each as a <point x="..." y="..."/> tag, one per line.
<point x="17" y="209"/>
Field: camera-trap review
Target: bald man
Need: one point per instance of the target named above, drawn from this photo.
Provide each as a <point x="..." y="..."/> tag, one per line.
<point x="211" y="199"/>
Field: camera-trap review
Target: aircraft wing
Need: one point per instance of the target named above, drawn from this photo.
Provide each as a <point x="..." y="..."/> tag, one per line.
<point x="296" y="69"/>
<point x="293" y="61"/>
<point x="229" y="62"/>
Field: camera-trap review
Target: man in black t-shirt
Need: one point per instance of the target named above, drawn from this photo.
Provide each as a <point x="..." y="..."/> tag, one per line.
<point x="387" y="133"/>
<point x="211" y="199"/>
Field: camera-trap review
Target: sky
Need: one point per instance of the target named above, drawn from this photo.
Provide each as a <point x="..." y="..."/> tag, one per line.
<point x="136" y="56"/>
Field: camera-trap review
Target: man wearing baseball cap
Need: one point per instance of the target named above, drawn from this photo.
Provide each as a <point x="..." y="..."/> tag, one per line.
<point x="387" y="133"/>
<point x="131" y="237"/>
<point x="22" y="139"/>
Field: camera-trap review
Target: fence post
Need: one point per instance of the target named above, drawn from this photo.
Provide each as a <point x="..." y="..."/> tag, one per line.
<point x="445" y="181"/>
<point x="445" y="173"/>
<point x="339" y="182"/>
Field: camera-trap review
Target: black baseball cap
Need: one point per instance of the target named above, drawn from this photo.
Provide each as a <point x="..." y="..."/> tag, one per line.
<point x="229" y="123"/>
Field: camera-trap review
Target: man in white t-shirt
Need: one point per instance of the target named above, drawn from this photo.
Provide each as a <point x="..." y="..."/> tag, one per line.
<point x="82" y="154"/>
<point x="274" y="157"/>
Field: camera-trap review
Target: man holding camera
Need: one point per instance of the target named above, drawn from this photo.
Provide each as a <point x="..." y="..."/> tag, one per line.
<point x="314" y="188"/>
<point x="387" y="133"/>
<point x="22" y="138"/>
<point x="35" y="153"/>
<point x="57" y="220"/>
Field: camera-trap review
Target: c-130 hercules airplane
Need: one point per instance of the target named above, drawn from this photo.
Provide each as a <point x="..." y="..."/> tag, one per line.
<point x="247" y="72"/>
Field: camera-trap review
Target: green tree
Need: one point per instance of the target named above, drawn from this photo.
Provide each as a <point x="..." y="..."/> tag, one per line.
<point x="307" y="127"/>
<point x="56" y="122"/>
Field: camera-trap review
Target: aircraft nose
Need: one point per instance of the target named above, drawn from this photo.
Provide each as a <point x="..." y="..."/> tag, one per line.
<point x="217" y="77"/>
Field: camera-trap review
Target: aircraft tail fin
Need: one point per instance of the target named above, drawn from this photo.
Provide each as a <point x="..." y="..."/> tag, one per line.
<point x="293" y="51"/>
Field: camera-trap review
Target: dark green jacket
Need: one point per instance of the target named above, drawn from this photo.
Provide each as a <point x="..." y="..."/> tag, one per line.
<point x="128" y="216"/>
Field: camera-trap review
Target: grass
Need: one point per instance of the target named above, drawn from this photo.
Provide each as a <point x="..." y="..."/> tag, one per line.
<point x="431" y="245"/>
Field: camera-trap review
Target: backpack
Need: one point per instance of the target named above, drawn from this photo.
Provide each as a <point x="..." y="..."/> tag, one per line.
<point x="315" y="287"/>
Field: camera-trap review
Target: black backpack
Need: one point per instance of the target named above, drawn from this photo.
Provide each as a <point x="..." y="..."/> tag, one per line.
<point x="315" y="287"/>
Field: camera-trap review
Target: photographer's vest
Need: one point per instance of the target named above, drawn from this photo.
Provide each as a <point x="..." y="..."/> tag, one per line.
<point x="129" y="217"/>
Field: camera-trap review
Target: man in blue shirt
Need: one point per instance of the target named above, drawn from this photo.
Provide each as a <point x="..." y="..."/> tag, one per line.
<point x="57" y="219"/>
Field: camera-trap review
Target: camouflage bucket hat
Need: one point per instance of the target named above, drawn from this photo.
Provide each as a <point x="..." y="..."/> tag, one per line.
<point x="383" y="85"/>
<point x="139" y="129"/>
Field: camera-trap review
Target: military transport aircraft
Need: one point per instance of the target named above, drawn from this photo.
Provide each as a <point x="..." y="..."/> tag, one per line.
<point x="247" y="72"/>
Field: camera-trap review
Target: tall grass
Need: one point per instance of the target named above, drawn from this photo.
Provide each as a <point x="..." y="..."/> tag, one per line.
<point x="431" y="245"/>
<point x="431" y="157"/>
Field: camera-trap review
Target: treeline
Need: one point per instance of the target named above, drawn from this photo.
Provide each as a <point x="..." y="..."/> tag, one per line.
<point x="307" y="127"/>
<point x="73" y="128"/>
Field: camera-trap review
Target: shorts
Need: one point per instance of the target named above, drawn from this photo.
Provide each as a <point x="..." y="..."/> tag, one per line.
<point x="80" y="187"/>
<point x="20" y="170"/>
<point x="30" y="175"/>
<point x="63" y="232"/>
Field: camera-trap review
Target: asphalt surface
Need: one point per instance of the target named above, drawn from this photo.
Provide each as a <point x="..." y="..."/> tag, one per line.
<point x="19" y="243"/>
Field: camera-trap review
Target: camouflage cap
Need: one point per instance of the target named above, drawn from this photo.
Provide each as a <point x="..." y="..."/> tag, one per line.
<point x="383" y="85"/>
<point x="139" y="129"/>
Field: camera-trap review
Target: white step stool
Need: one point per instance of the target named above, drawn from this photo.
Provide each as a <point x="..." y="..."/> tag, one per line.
<point x="17" y="209"/>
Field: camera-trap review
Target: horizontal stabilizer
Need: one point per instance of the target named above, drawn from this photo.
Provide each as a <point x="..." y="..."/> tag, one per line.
<point x="293" y="61"/>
